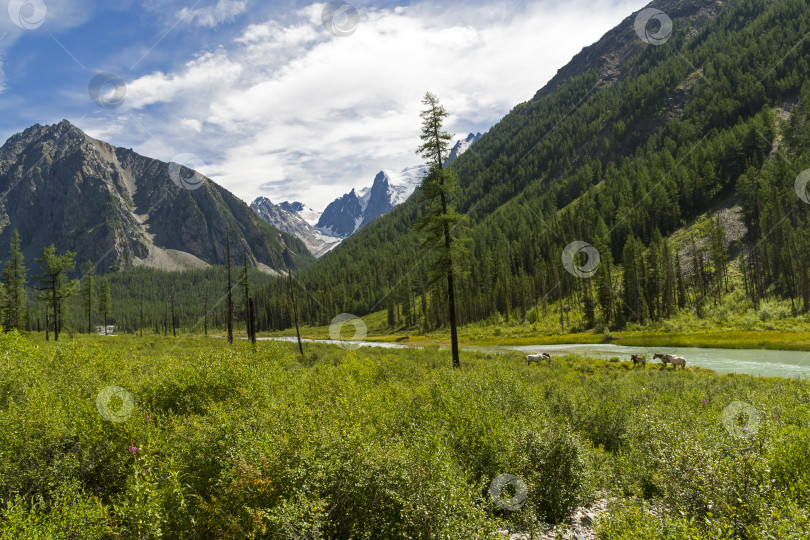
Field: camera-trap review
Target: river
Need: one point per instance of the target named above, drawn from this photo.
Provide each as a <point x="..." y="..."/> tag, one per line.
<point x="762" y="362"/>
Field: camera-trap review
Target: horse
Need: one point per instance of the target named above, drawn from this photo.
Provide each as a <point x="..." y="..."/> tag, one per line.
<point x="538" y="358"/>
<point x="638" y="359"/>
<point x="671" y="359"/>
<point x="678" y="361"/>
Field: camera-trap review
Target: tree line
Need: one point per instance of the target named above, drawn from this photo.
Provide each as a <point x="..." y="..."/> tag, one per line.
<point x="59" y="298"/>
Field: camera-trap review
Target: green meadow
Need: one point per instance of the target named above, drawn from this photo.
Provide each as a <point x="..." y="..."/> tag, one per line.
<point x="123" y="437"/>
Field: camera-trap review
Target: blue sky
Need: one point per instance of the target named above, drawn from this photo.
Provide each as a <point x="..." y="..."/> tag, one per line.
<point x="264" y="97"/>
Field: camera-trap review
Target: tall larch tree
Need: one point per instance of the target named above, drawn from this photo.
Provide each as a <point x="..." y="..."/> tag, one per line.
<point x="229" y="271"/>
<point x="439" y="218"/>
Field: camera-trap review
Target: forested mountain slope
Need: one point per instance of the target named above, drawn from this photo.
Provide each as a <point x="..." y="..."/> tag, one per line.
<point x="629" y="142"/>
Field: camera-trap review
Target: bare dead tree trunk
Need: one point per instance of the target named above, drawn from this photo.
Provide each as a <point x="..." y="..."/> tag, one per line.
<point x="230" y="292"/>
<point x="252" y="321"/>
<point x="205" y="323"/>
<point x="295" y="313"/>
<point x="55" y="311"/>
<point x="174" y="331"/>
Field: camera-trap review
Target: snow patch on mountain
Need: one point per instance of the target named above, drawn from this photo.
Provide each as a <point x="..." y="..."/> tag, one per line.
<point x="322" y="231"/>
<point x="295" y="218"/>
<point x="462" y="145"/>
<point x="304" y="212"/>
<point x="401" y="185"/>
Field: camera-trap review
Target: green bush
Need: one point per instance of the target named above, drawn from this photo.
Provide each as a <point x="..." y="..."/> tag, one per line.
<point x="555" y="468"/>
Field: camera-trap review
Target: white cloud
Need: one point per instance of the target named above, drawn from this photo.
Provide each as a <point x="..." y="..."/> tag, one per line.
<point x="58" y="15"/>
<point x="308" y="115"/>
<point x="197" y="82"/>
<point x="212" y="16"/>
<point x="192" y="124"/>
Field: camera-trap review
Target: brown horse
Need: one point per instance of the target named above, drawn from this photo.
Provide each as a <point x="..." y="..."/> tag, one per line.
<point x="639" y="359"/>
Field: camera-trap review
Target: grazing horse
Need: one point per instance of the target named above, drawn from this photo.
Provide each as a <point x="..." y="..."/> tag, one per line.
<point x="671" y="359"/>
<point x="677" y="361"/>
<point x="538" y="358"/>
<point x="639" y="359"/>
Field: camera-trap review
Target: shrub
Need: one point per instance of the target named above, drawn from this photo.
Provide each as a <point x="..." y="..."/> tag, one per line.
<point x="554" y="467"/>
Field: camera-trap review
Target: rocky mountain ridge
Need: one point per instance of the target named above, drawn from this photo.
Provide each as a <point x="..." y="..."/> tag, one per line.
<point x="119" y="209"/>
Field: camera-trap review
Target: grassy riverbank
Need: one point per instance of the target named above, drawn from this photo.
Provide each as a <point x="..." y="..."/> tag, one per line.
<point x="797" y="340"/>
<point x="237" y="442"/>
<point x="770" y="326"/>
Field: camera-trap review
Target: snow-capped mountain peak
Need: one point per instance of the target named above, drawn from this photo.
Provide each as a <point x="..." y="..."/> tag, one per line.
<point x="297" y="219"/>
<point x="401" y="185"/>
<point x="322" y="231"/>
<point x="305" y="212"/>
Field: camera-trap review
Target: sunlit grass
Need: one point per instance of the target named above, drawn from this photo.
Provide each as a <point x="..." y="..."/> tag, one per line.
<point x="242" y="441"/>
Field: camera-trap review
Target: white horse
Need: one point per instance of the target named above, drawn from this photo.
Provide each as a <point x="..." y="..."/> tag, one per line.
<point x="678" y="361"/>
<point x="538" y="358"/>
<point x="671" y="359"/>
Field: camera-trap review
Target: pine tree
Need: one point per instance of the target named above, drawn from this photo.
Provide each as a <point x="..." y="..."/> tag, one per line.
<point x="229" y="271"/>
<point x="682" y="296"/>
<point x="632" y="258"/>
<point x="105" y="301"/>
<point x="88" y="291"/>
<point x="244" y="280"/>
<point x="392" y="319"/>
<point x="53" y="279"/>
<point x="295" y="311"/>
<point x="252" y="320"/>
<point x="205" y="313"/>
<point x="439" y="218"/>
<point x="141" y="323"/>
<point x="14" y="278"/>
<point x="174" y="331"/>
